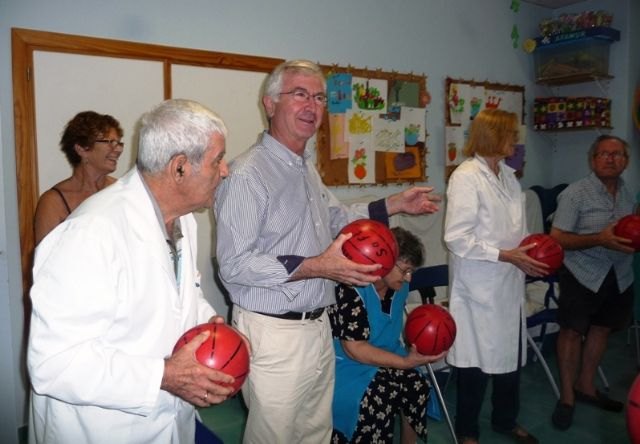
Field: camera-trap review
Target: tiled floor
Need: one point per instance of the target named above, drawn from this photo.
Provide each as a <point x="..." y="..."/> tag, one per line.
<point x="590" y="425"/>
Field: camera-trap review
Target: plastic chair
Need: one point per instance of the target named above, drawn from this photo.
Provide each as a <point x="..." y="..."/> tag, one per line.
<point x="549" y="202"/>
<point x="542" y="318"/>
<point x="424" y="280"/>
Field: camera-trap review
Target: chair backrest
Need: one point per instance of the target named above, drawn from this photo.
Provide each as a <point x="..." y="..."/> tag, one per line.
<point x="425" y="279"/>
<point x="548" y="202"/>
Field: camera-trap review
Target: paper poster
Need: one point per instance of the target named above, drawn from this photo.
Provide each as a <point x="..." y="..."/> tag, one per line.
<point x="476" y="100"/>
<point x="414" y="121"/>
<point x="338" y="93"/>
<point x="516" y="161"/>
<point x="505" y="100"/>
<point x="362" y="159"/>
<point x="455" y="138"/>
<point x="338" y="144"/>
<point x="403" y="165"/>
<point x="369" y="94"/>
<point x="459" y="103"/>
<point x="388" y="135"/>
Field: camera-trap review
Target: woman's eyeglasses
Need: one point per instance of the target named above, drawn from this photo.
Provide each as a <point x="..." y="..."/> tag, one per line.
<point x="113" y="142"/>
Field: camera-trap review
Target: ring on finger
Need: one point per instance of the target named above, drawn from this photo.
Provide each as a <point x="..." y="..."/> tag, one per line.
<point x="206" y="395"/>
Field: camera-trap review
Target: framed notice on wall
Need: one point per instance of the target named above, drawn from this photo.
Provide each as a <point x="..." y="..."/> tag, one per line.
<point x="464" y="100"/>
<point x="374" y="128"/>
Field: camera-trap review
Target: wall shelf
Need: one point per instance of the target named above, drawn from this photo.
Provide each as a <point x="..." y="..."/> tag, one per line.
<point x="599" y="129"/>
<point x="576" y="78"/>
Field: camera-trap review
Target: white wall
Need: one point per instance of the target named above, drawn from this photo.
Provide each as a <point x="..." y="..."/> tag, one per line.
<point x="467" y="39"/>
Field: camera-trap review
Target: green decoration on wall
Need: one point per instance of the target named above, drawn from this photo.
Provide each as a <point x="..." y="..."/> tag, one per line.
<point x="515" y="36"/>
<point x="515" y="5"/>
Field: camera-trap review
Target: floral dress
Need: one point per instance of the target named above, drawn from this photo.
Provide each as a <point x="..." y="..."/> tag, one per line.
<point x="367" y="398"/>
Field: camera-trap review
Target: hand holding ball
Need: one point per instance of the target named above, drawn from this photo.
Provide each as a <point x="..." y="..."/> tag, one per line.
<point x="224" y="350"/>
<point x="547" y="250"/>
<point x="371" y="243"/>
<point x="431" y="328"/>
<point x="629" y="228"/>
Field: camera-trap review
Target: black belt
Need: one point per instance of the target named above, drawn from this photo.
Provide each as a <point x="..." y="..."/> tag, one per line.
<point x="296" y="315"/>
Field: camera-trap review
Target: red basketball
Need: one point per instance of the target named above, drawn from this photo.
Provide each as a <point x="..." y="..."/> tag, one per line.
<point x="547" y="250"/>
<point x="633" y="412"/>
<point x="431" y="328"/>
<point x="372" y="243"/>
<point x="223" y="350"/>
<point x="629" y="228"/>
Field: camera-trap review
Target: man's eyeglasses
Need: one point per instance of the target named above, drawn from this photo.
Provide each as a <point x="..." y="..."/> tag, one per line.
<point x="613" y="155"/>
<point x="406" y="272"/>
<point x="302" y="95"/>
<point x="113" y="142"/>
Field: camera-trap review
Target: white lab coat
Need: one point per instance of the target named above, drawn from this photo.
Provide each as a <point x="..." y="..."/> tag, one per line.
<point x="485" y="214"/>
<point x="106" y="312"/>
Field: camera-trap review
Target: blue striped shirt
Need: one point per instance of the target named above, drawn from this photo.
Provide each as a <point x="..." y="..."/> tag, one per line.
<point x="271" y="212"/>
<point x="586" y="207"/>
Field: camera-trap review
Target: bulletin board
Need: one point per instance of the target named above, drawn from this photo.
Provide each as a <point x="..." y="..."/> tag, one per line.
<point x="465" y="99"/>
<point x="374" y="128"/>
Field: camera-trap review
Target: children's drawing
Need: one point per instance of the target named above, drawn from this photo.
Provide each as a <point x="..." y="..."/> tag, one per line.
<point x="414" y="122"/>
<point x="476" y="100"/>
<point x="338" y="93"/>
<point x="516" y="161"/>
<point x="358" y="122"/>
<point x="403" y="165"/>
<point x="369" y="94"/>
<point x="339" y="146"/>
<point x="455" y="138"/>
<point x="458" y="103"/>
<point x="388" y="135"/>
<point x="361" y="166"/>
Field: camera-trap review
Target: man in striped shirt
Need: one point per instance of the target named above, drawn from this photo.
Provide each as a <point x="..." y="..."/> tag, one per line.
<point x="276" y="222"/>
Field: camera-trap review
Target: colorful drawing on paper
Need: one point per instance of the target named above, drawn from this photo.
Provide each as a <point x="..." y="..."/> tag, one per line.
<point x="339" y="93"/>
<point x="369" y="94"/>
<point x="339" y="146"/>
<point x="361" y="166"/>
<point x="359" y="123"/>
<point x="516" y="161"/>
<point x="458" y="103"/>
<point x="413" y="120"/>
<point x="455" y="138"/>
<point x="476" y="100"/>
<point x="506" y="100"/>
<point x="388" y="135"/>
<point x="403" y="165"/>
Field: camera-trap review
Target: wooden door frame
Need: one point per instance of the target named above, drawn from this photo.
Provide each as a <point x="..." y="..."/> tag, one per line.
<point x="23" y="44"/>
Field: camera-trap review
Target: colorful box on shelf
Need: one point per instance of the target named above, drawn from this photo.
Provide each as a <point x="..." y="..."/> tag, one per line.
<point x="583" y="52"/>
<point x="603" y="33"/>
<point x="559" y="113"/>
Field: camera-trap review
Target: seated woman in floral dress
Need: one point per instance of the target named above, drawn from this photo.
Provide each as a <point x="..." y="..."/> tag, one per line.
<point x="376" y="375"/>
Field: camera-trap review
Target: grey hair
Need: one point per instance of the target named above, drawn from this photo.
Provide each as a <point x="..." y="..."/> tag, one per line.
<point x="594" y="146"/>
<point x="273" y="83"/>
<point x="173" y="127"/>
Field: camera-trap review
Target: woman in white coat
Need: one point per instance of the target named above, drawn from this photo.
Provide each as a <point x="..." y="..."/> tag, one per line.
<point x="485" y="222"/>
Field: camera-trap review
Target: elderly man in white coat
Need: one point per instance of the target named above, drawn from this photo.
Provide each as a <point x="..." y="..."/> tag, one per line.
<point x="485" y="222"/>
<point x="116" y="284"/>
